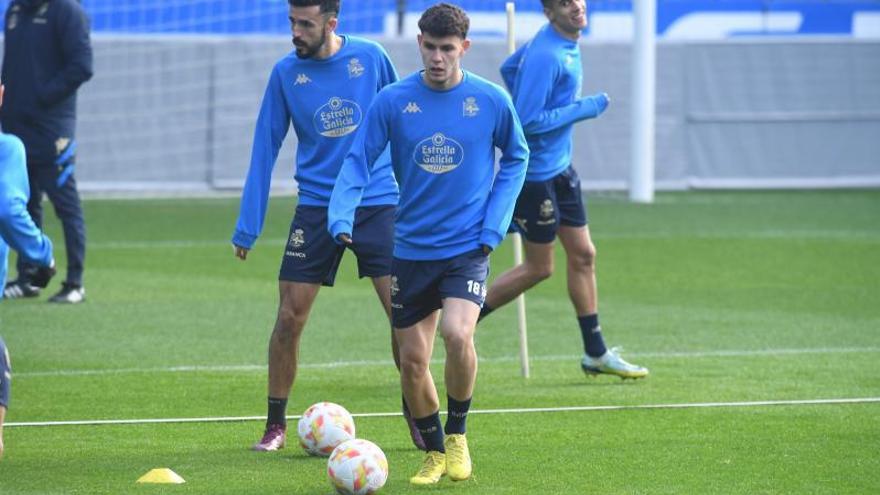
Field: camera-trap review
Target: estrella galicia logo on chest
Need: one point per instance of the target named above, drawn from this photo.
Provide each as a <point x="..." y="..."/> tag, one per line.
<point x="438" y="154"/>
<point x="338" y="117"/>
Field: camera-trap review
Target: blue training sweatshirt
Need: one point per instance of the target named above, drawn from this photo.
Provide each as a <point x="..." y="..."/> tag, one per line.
<point x="443" y="154"/>
<point x="17" y="229"/>
<point x="326" y="100"/>
<point x="545" y="76"/>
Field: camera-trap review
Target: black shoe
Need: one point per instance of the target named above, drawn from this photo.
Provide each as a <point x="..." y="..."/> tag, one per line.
<point x="19" y="288"/>
<point x="69" y="294"/>
<point x="41" y="277"/>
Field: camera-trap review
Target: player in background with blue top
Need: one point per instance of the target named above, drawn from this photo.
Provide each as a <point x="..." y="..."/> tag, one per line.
<point x="324" y="88"/>
<point x="443" y="125"/>
<point x="17" y="228"/>
<point x="545" y="78"/>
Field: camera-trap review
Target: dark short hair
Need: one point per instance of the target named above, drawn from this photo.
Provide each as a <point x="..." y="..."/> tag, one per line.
<point x="444" y="19"/>
<point x="327" y="6"/>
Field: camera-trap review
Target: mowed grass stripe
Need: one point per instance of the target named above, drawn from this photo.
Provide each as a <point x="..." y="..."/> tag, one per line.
<point x="526" y="410"/>
<point x="486" y="360"/>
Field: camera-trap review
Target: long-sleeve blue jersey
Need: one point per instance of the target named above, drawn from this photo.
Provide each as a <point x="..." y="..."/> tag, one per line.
<point x="443" y="154"/>
<point x="327" y="101"/>
<point x="17" y="229"/>
<point x="545" y="76"/>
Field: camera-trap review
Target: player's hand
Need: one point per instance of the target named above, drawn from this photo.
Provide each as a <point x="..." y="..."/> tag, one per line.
<point x="602" y="101"/>
<point x="344" y="239"/>
<point x="486" y="249"/>
<point x="240" y="252"/>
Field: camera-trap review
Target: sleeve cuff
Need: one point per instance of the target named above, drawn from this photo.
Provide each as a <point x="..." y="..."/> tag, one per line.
<point x="491" y="238"/>
<point x="339" y="227"/>
<point x="244" y="240"/>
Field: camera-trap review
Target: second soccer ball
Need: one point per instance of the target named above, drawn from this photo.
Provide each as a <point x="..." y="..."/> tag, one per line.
<point x="324" y="426"/>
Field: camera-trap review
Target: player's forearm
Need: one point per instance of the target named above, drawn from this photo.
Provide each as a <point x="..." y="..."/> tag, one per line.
<point x="551" y="120"/>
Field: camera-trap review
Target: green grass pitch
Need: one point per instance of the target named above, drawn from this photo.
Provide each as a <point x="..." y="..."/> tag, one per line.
<point x="726" y="297"/>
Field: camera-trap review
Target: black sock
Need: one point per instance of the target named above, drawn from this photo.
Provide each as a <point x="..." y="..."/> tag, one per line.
<point x="431" y="431"/>
<point x="457" y="416"/>
<point x="591" y="332"/>
<point x="484" y="311"/>
<point x="277" y="411"/>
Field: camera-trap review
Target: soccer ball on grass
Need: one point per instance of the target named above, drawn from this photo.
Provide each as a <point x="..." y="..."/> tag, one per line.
<point x="357" y="467"/>
<point x="324" y="426"/>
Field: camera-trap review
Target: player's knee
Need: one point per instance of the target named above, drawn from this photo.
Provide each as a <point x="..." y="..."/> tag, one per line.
<point x="583" y="259"/>
<point x="290" y="321"/>
<point x="457" y="340"/>
<point x="413" y="366"/>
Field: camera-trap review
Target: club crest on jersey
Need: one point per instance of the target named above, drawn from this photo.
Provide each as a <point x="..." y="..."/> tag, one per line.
<point x="355" y="68"/>
<point x="297" y="238"/>
<point x="438" y="154"/>
<point x="469" y="107"/>
<point x="40" y="16"/>
<point x="338" y="117"/>
<point x="301" y="79"/>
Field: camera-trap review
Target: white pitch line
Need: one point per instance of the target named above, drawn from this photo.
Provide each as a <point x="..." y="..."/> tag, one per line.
<point x="696" y="405"/>
<point x="499" y="359"/>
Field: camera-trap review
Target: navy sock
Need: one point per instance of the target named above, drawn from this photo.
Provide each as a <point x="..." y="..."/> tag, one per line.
<point x="484" y="311"/>
<point x="457" y="416"/>
<point x="591" y="332"/>
<point x="431" y="431"/>
<point x="277" y="411"/>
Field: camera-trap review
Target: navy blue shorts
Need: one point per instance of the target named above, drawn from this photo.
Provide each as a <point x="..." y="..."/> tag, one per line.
<point x="419" y="287"/>
<point x="311" y="255"/>
<point x="5" y="374"/>
<point x="545" y="205"/>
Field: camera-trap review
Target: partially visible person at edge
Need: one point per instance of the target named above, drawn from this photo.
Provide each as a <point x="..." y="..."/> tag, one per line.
<point x="47" y="56"/>
<point x="5" y="378"/>
<point x="17" y="229"/>
<point x="324" y="88"/>
<point x="443" y="124"/>
<point x="545" y="79"/>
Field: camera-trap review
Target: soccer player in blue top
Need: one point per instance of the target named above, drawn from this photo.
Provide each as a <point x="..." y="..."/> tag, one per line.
<point x="324" y="88"/>
<point x="443" y="125"/>
<point x="17" y="228"/>
<point x="544" y="77"/>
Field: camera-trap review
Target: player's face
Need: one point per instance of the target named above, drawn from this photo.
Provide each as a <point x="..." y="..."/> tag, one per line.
<point x="442" y="59"/>
<point x="310" y="29"/>
<point x="568" y="16"/>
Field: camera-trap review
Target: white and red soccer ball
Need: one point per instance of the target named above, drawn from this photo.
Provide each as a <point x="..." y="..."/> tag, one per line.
<point x="324" y="426"/>
<point x="357" y="467"/>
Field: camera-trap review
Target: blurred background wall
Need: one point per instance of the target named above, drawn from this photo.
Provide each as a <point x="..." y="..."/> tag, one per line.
<point x="750" y="94"/>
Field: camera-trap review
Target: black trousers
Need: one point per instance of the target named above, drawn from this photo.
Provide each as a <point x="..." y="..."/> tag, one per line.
<point x="59" y="184"/>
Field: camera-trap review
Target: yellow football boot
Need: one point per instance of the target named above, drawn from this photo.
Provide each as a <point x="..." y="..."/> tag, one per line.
<point x="432" y="469"/>
<point x="458" y="457"/>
